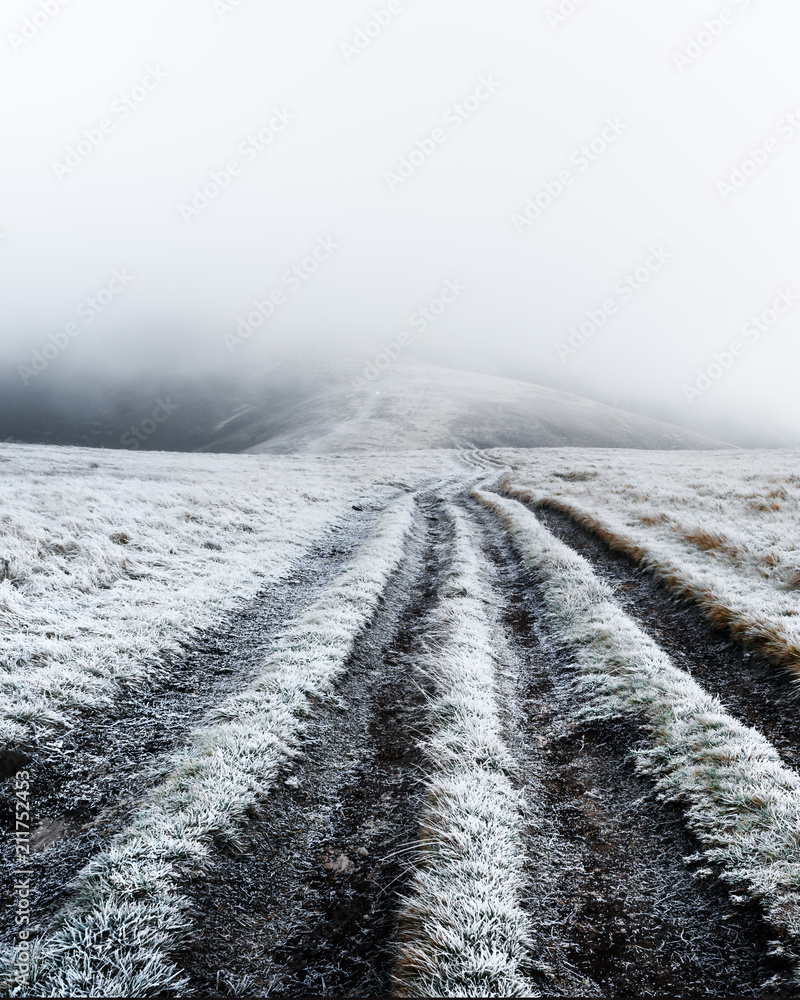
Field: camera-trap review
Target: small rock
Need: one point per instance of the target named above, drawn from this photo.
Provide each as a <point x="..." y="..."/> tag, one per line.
<point x="338" y="864"/>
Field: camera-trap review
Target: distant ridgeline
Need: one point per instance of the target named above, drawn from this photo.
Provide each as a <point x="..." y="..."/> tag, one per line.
<point x="321" y="407"/>
<point x="163" y="415"/>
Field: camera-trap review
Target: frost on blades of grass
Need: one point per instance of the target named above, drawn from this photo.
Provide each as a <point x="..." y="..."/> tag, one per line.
<point x="721" y="529"/>
<point x="127" y="920"/>
<point x="108" y="560"/>
<point x="739" y="799"/>
<point x="462" y="931"/>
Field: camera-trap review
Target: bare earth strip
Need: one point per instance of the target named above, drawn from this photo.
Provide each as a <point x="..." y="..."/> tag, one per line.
<point x="308" y="908"/>
<point x="110" y="561"/>
<point x="751" y="687"/>
<point x="758" y="608"/>
<point x="127" y="921"/>
<point x="613" y="908"/>
<point x="88" y="783"/>
<point x="739" y="799"/>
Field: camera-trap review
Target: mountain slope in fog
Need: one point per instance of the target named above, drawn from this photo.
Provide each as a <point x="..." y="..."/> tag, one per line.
<point x="416" y="405"/>
<point x="322" y="408"/>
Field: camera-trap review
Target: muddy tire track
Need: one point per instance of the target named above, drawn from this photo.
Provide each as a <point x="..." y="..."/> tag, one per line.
<point x="86" y="784"/>
<point x="309" y="909"/>
<point x="614" y="909"/>
<point x="757" y="692"/>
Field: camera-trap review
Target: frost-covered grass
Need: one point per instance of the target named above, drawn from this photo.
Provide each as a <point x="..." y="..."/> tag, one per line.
<point x="739" y="799"/>
<point x="720" y="528"/>
<point x="462" y="930"/>
<point x="110" y="559"/>
<point x="119" y="935"/>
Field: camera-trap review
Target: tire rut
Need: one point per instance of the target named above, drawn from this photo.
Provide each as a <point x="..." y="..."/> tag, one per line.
<point x="87" y="784"/>
<point x="614" y="909"/>
<point x="309" y="910"/>
<point x="752" y="689"/>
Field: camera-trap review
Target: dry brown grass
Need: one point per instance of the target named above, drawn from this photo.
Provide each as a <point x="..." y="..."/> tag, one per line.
<point x="762" y="507"/>
<point x="780" y="493"/>
<point x="760" y="634"/>
<point x="707" y="542"/>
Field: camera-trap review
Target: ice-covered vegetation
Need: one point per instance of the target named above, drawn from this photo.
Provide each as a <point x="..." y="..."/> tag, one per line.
<point x="462" y="931"/>
<point x="722" y="529"/>
<point x="739" y="798"/>
<point x="111" y="563"/>
<point x="128" y="918"/>
<point x="109" y="559"/>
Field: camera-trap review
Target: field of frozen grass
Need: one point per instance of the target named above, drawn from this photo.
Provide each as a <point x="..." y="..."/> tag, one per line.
<point x="110" y="563"/>
<point x="110" y="559"/>
<point x="721" y="528"/>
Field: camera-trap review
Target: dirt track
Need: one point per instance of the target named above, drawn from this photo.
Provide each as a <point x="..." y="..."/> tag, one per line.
<point x="308" y="909"/>
<point x="614" y="909"/>
<point x="89" y="781"/>
<point x="757" y="692"/>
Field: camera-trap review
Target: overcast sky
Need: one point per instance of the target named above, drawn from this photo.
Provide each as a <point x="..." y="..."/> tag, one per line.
<point x="627" y="166"/>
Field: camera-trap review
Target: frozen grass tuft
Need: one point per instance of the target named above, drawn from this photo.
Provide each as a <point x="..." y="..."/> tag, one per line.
<point x="462" y="930"/>
<point x="739" y="799"/>
<point x="127" y="920"/>
<point x="745" y="578"/>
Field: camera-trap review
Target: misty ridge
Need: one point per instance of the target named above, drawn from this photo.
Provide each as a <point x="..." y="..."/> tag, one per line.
<point x="387" y="401"/>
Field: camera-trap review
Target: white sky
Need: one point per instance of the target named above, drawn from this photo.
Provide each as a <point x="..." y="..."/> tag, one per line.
<point x="324" y="176"/>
